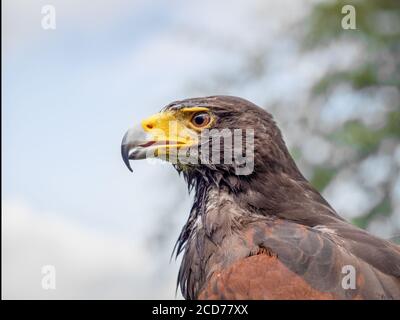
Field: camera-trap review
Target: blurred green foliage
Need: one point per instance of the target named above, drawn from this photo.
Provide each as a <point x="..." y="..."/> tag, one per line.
<point x="378" y="33"/>
<point x="367" y="140"/>
<point x="359" y="78"/>
<point x="325" y="23"/>
<point x="322" y="176"/>
<point x="383" y="209"/>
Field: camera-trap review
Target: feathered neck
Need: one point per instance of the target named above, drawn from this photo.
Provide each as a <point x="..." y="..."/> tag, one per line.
<point x="275" y="193"/>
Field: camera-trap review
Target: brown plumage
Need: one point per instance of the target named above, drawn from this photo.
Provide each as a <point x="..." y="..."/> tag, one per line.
<point x="270" y="234"/>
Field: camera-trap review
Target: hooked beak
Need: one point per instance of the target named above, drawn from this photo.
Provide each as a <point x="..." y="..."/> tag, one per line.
<point x="157" y="135"/>
<point x="133" y="145"/>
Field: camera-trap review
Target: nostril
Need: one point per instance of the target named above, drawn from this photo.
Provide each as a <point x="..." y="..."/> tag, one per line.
<point x="149" y="126"/>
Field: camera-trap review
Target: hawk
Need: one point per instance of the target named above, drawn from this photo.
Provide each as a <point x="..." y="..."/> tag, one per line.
<point x="261" y="234"/>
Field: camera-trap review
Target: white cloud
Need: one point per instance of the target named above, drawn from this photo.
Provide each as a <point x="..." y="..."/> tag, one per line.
<point x="89" y="264"/>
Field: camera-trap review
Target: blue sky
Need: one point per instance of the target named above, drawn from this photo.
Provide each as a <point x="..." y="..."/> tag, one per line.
<point x="67" y="102"/>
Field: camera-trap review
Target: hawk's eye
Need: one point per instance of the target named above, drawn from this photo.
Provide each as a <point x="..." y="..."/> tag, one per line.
<point x="201" y="119"/>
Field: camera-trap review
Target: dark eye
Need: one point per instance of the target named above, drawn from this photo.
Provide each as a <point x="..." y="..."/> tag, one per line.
<point x="201" y="119"/>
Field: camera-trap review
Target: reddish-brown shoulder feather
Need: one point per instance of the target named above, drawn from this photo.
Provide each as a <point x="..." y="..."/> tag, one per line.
<point x="259" y="277"/>
<point x="299" y="262"/>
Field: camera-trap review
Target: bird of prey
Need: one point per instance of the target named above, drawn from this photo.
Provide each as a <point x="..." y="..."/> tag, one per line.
<point x="265" y="233"/>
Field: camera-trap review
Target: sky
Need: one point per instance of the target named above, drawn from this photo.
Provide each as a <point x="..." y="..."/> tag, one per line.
<point x="70" y="94"/>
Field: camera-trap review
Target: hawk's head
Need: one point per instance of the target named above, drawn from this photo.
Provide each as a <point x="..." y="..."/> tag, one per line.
<point x="218" y="135"/>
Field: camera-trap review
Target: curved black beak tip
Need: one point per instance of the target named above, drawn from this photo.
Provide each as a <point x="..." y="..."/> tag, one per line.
<point x="125" y="156"/>
<point x="125" y="147"/>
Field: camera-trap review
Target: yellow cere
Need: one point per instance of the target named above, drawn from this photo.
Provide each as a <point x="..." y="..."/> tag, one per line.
<point x="170" y="130"/>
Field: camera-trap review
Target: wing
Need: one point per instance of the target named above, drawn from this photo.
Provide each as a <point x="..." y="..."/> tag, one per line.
<point x="299" y="262"/>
